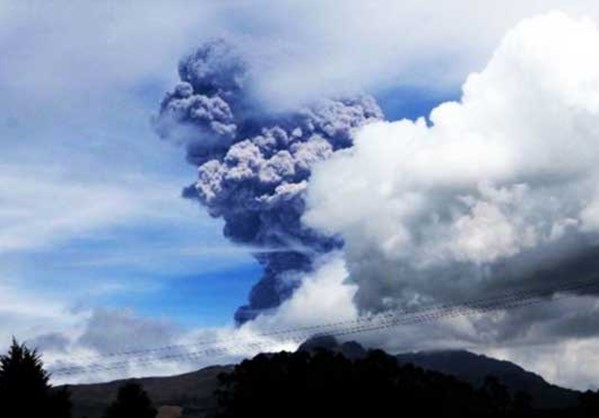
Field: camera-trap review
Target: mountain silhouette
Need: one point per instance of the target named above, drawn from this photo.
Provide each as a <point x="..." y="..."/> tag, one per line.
<point x="193" y="392"/>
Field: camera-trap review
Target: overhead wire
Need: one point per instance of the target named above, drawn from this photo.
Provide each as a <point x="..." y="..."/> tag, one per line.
<point x="215" y="347"/>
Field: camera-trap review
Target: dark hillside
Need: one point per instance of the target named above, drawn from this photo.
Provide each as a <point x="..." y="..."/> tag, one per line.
<point x="473" y="368"/>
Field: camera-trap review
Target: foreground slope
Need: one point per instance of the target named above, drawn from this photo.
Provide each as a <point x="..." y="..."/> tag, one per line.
<point x="192" y="391"/>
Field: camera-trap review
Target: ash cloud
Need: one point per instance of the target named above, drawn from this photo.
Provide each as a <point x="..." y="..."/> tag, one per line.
<point x="254" y="165"/>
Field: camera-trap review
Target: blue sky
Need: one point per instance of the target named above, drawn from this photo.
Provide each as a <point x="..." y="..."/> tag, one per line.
<point x="139" y="244"/>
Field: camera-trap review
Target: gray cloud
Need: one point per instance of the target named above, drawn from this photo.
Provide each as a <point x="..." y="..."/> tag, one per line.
<point x="109" y="331"/>
<point x="54" y="341"/>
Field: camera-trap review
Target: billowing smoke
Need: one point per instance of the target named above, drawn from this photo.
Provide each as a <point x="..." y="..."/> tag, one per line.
<point x="254" y="165"/>
<point x="501" y="186"/>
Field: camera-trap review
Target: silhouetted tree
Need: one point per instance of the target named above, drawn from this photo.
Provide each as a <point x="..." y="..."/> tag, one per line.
<point x="522" y="404"/>
<point x="497" y="394"/>
<point x="589" y="404"/>
<point x="327" y="384"/>
<point x="131" y="402"/>
<point x="24" y="388"/>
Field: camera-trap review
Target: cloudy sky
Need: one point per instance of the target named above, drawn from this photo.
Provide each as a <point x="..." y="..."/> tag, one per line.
<point x="100" y="253"/>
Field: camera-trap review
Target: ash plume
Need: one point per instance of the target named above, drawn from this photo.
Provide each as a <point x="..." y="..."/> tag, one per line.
<point x="254" y="165"/>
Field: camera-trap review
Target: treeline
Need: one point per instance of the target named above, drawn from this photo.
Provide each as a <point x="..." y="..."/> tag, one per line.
<point x="304" y="384"/>
<point x="327" y="384"/>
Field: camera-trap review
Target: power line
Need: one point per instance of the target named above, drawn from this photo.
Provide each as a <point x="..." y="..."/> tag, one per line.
<point x="508" y="300"/>
<point x="386" y="320"/>
<point x="538" y="291"/>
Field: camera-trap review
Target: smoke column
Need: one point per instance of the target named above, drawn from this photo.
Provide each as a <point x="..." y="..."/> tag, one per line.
<point x="254" y="165"/>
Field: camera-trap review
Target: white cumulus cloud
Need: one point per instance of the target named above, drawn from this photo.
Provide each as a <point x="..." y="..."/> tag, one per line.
<point x="430" y="209"/>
